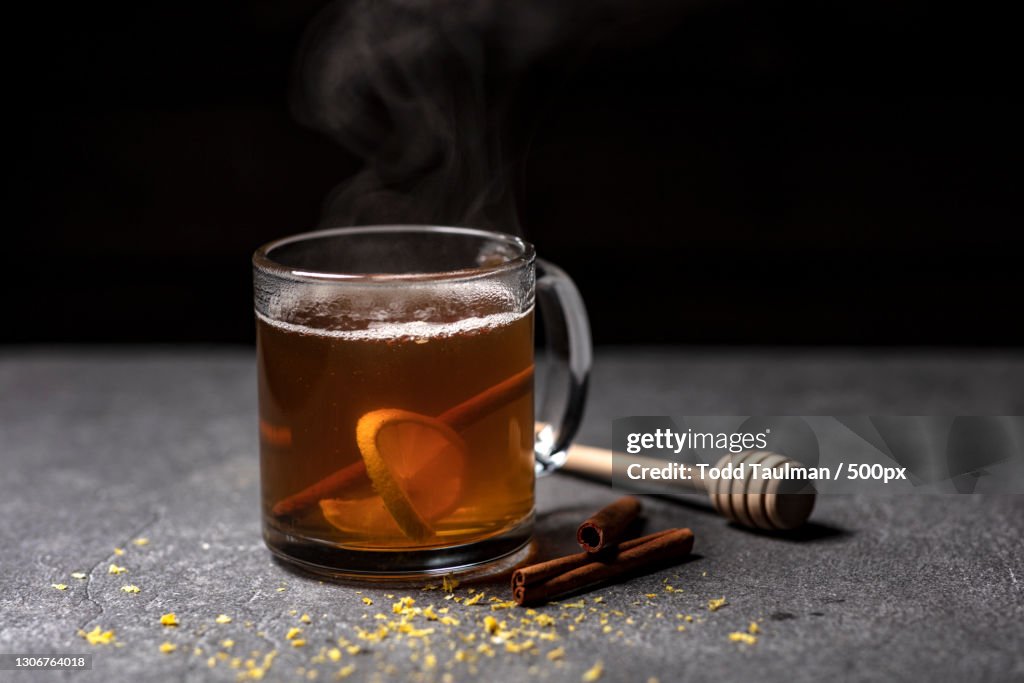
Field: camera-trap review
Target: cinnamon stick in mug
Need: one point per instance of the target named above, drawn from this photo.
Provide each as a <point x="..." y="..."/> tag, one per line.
<point x="457" y="417"/>
<point x="608" y="525"/>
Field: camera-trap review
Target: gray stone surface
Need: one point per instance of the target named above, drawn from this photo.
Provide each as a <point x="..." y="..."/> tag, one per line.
<point x="100" y="447"/>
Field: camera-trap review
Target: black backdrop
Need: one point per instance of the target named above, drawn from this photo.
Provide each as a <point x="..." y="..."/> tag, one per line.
<point x="755" y="172"/>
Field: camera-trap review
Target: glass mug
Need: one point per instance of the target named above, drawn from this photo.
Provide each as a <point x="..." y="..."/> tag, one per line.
<point x="396" y="396"/>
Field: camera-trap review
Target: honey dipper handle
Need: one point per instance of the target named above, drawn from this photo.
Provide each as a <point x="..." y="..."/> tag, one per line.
<point x="595" y="463"/>
<point x="598" y="463"/>
<point x="472" y="409"/>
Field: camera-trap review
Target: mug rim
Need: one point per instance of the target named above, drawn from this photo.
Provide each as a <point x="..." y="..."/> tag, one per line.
<point x="263" y="261"/>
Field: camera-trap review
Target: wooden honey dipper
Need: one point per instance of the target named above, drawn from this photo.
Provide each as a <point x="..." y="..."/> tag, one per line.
<point x="767" y="504"/>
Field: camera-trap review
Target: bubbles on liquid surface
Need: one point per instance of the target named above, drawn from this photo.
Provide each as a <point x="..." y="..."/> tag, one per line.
<point x="386" y="313"/>
<point x="419" y="331"/>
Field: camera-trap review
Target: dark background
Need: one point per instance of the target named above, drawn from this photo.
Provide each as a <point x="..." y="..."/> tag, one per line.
<point x="753" y="172"/>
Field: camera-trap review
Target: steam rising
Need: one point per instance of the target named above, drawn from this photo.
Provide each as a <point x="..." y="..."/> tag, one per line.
<point x="419" y="90"/>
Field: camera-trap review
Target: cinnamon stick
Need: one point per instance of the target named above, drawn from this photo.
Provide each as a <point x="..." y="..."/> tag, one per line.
<point x="669" y="546"/>
<point x="472" y="409"/>
<point x="327" y="487"/>
<point x="541" y="572"/>
<point x="608" y="525"/>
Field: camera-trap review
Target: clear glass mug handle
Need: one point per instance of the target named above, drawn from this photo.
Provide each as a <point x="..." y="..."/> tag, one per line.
<point x="563" y="388"/>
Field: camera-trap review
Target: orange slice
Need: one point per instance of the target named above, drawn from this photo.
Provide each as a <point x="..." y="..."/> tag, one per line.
<point x="358" y="515"/>
<point x="416" y="464"/>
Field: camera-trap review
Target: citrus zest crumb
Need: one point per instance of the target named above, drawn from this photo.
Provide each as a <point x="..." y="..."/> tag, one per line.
<point x="254" y="672"/>
<point x="141" y="541"/>
<point x="114" y="569"/>
<point x="449" y="583"/>
<point x="473" y="600"/>
<point x="292" y="632"/>
<point x="716" y="604"/>
<point x="60" y="586"/>
<point x="77" y="575"/>
<point x="367" y="601"/>
<point x="556" y="654"/>
<point x="223" y="619"/>
<point x="119" y="551"/>
<point x="305" y="619"/>
<point x="408" y="630"/>
<point x="753" y="628"/>
<point x="131" y="588"/>
<point x="334" y="654"/>
<point x="741" y="637"/>
<point x="373" y="636"/>
<point x="98" y="636"/>
<point x="519" y="647"/>
<point x="298" y="642"/>
<point x="168" y="648"/>
<point x="400" y="606"/>
<point x="227" y="643"/>
<point x="593" y="673"/>
<point x="169" y="619"/>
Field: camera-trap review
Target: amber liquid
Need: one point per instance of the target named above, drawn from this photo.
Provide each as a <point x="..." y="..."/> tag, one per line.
<point x="315" y="385"/>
